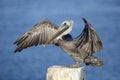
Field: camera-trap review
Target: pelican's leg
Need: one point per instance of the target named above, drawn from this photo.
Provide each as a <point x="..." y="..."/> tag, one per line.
<point x="78" y="62"/>
<point x="76" y="65"/>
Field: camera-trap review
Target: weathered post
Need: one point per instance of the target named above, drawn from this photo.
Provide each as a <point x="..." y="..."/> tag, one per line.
<point x="65" y="73"/>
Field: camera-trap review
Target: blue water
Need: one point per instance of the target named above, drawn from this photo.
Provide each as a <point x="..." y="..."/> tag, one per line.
<point x="17" y="16"/>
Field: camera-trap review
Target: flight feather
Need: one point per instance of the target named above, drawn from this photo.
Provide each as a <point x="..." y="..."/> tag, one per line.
<point x="39" y="34"/>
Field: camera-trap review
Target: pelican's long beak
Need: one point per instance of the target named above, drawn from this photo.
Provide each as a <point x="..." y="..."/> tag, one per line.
<point x="58" y="33"/>
<point x="52" y="38"/>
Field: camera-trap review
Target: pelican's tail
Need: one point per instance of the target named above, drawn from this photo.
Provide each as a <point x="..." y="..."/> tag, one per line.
<point x="93" y="61"/>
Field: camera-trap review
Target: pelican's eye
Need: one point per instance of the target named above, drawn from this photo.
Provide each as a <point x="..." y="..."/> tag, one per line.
<point x="65" y="24"/>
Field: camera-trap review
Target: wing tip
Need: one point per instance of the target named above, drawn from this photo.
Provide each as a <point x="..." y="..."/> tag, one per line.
<point x="85" y="21"/>
<point x="14" y="42"/>
<point x="17" y="50"/>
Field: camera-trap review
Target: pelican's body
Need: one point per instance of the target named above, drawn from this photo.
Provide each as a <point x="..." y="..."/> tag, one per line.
<point x="81" y="49"/>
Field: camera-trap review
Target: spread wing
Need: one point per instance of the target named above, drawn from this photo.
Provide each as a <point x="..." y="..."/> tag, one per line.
<point x="88" y="40"/>
<point x="39" y="34"/>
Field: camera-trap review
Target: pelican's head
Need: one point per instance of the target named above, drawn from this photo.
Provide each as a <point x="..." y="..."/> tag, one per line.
<point x="68" y="23"/>
<point x="64" y="29"/>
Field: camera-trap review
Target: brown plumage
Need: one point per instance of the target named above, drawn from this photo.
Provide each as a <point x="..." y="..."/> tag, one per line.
<point x="39" y="34"/>
<point x="89" y="40"/>
<point x="81" y="48"/>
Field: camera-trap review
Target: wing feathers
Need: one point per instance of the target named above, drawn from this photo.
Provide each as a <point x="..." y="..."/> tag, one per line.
<point x="39" y="34"/>
<point x="88" y="40"/>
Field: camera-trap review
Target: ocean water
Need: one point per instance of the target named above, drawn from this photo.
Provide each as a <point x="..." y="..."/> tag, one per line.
<point x="18" y="16"/>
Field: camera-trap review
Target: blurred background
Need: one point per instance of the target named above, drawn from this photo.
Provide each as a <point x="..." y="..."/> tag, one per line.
<point x="18" y="16"/>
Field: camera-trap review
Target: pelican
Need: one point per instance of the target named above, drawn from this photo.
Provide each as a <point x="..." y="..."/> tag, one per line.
<point x="81" y="48"/>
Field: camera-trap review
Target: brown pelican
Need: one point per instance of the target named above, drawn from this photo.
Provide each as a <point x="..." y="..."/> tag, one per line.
<point x="81" y="48"/>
